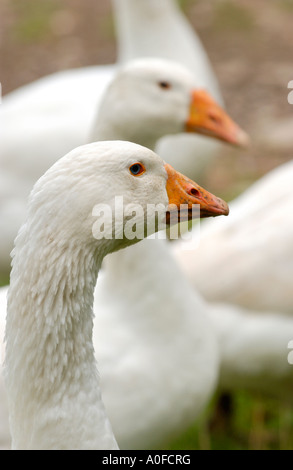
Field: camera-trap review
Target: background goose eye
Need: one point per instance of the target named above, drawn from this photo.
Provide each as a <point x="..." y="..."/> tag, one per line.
<point x="137" y="169"/>
<point x="165" y="85"/>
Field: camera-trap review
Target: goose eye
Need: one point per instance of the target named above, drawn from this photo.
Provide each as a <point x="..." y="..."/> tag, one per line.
<point x="137" y="169"/>
<point x="165" y="85"/>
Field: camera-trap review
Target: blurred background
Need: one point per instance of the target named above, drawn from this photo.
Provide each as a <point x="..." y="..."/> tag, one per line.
<point x="249" y="44"/>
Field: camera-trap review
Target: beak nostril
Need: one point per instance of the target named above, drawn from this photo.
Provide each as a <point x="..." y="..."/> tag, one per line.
<point x="194" y="192"/>
<point x="215" y="119"/>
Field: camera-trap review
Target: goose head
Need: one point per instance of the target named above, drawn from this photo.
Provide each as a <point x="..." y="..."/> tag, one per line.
<point x="100" y="189"/>
<point x="150" y="98"/>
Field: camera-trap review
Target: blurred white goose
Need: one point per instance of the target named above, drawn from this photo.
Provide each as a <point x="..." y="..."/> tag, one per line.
<point x="158" y="110"/>
<point x="172" y="37"/>
<point x="249" y="262"/>
<point x="58" y="110"/>
<point x="158" y="91"/>
<point x="159" y="29"/>
<point x="252" y="255"/>
<point x="51" y="373"/>
<point x="254" y="349"/>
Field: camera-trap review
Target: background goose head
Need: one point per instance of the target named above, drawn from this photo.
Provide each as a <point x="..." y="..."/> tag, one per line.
<point x="150" y="98"/>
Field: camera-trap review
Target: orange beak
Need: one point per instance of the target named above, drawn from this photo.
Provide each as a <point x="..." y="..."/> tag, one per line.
<point x="187" y="200"/>
<point x="208" y="118"/>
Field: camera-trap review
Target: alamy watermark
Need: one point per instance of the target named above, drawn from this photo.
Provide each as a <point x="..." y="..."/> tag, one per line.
<point x="135" y="222"/>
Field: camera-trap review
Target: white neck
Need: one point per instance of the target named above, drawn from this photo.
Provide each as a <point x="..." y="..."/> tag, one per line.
<point x="146" y="274"/>
<point x="152" y="28"/>
<point x="52" y="378"/>
<point x="108" y="127"/>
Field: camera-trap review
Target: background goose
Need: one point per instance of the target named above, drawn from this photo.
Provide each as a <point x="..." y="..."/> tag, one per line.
<point x="171" y="37"/>
<point x="58" y="110"/>
<point x="156" y="91"/>
<point x="251" y="258"/>
<point x="253" y="348"/>
<point x="50" y="368"/>
<point x="253" y="252"/>
<point x="163" y="360"/>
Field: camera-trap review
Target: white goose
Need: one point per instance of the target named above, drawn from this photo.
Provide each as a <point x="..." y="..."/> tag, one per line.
<point x="171" y="37"/>
<point x="249" y="263"/>
<point x="56" y="112"/>
<point x="50" y="368"/>
<point x="253" y="350"/>
<point x="173" y="107"/>
<point x="157" y="91"/>
<point x="253" y="252"/>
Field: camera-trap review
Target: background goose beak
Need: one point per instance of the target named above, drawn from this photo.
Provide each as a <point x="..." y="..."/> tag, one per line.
<point x="208" y="118"/>
<point x="183" y="191"/>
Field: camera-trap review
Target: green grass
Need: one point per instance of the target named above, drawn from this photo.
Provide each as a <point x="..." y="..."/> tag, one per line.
<point x="185" y="4"/>
<point x="254" y="423"/>
<point x="107" y="27"/>
<point x="286" y="5"/>
<point x="232" y="17"/>
<point x="34" y="19"/>
<point x="4" y="280"/>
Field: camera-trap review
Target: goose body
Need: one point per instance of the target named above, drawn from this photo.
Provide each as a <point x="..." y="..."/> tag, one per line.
<point x="254" y="350"/>
<point x="253" y="252"/>
<point x="251" y="258"/>
<point x="51" y="374"/>
<point x="57" y="111"/>
<point x="163" y="359"/>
